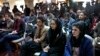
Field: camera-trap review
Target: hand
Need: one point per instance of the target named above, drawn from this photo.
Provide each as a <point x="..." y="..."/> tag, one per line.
<point x="94" y="27"/>
<point x="13" y="32"/>
<point x="46" y="49"/>
<point x="36" y="40"/>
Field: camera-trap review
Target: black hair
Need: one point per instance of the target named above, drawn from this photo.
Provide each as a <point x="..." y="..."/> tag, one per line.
<point x="84" y="12"/>
<point x="41" y="18"/>
<point x="67" y="14"/>
<point x="17" y="14"/>
<point x="59" y="26"/>
<point x="52" y="34"/>
<point x="82" y="27"/>
<point x="15" y="6"/>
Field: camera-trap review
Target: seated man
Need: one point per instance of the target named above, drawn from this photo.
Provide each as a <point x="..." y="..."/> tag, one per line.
<point x="6" y="25"/>
<point x="38" y="36"/>
<point x="17" y="32"/>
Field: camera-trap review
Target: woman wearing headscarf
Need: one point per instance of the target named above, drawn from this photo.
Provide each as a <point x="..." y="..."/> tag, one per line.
<point x="79" y="43"/>
<point x="55" y="40"/>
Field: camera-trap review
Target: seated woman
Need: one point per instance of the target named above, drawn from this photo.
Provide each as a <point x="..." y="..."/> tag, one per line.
<point x="55" y="40"/>
<point x="79" y="44"/>
<point x="18" y="30"/>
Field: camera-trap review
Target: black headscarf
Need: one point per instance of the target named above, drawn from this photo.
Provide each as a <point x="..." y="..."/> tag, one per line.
<point x="81" y="26"/>
<point x="53" y="33"/>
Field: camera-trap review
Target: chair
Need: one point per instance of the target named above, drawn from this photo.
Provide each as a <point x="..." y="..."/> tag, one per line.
<point x="22" y="38"/>
<point x="18" y="42"/>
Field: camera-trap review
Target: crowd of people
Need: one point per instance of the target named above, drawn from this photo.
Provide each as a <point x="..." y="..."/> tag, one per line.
<point x="64" y="31"/>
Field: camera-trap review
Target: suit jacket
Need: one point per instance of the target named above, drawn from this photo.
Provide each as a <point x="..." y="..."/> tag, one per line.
<point x="43" y="34"/>
<point x="10" y="23"/>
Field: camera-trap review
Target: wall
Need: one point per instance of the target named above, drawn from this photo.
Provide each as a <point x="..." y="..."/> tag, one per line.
<point x="29" y="3"/>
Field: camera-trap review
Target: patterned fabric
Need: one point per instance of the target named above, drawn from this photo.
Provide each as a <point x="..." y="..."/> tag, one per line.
<point x="75" y="51"/>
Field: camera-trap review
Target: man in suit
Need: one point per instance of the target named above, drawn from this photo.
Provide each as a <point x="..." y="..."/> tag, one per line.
<point x="38" y="37"/>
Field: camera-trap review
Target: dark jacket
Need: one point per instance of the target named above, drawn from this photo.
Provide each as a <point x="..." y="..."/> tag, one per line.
<point x="19" y="25"/>
<point x="3" y="24"/>
<point x="15" y="9"/>
<point x="27" y="11"/>
<point x="56" y="43"/>
<point x="85" y="49"/>
<point x="43" y="34"/>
